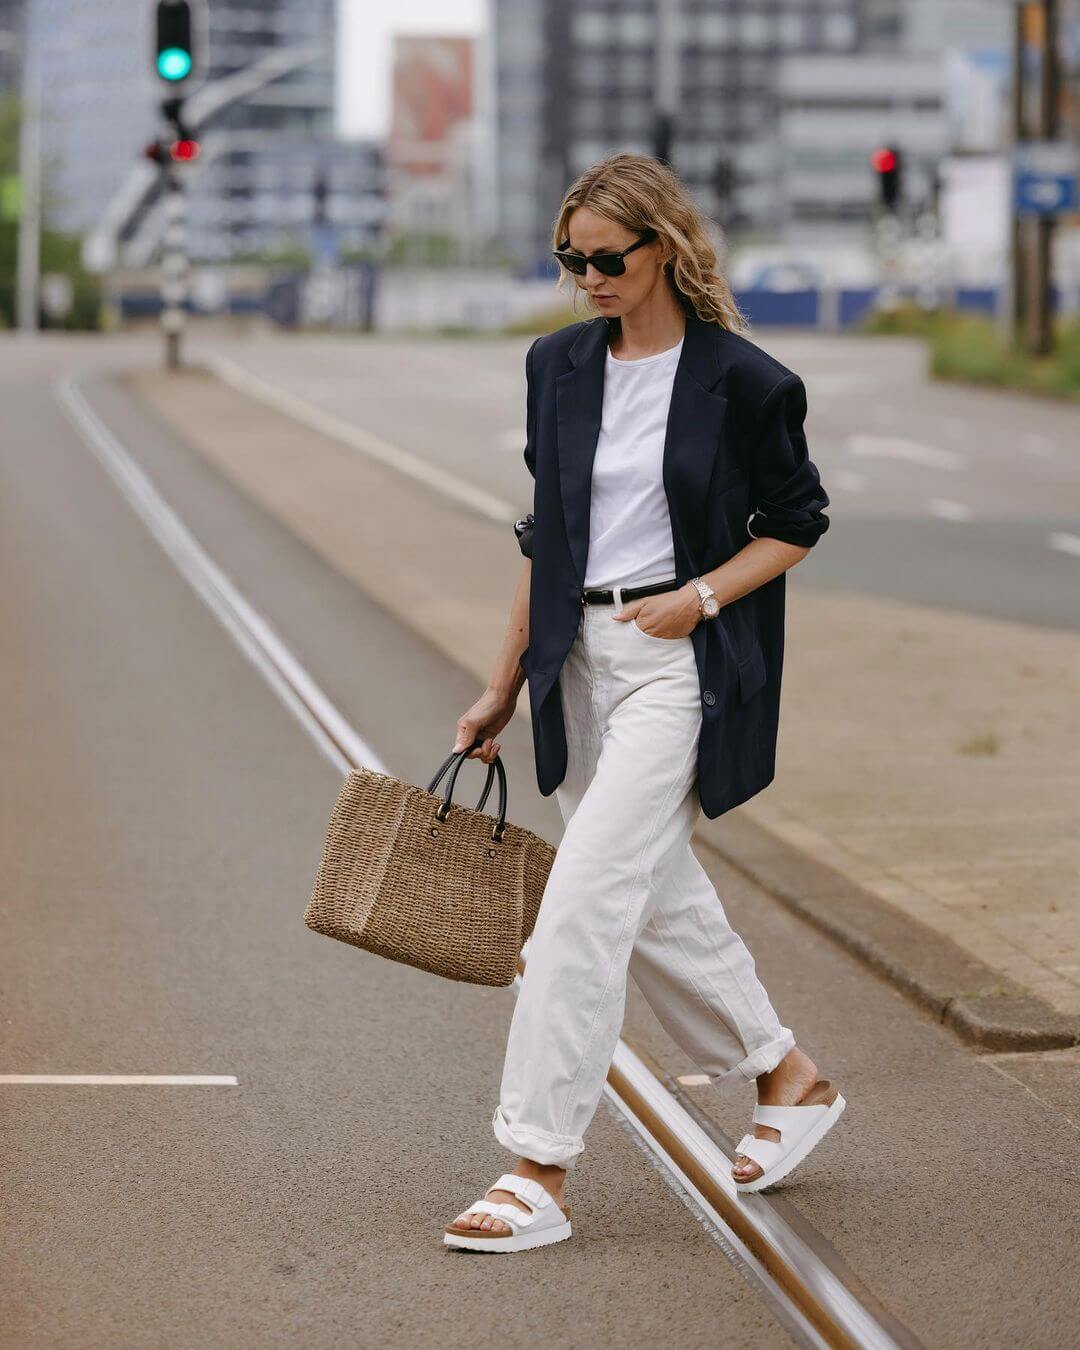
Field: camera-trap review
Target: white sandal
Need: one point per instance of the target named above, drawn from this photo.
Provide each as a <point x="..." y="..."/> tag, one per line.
<point x="545" y="1222"/>
<point x="801" y="1127"/>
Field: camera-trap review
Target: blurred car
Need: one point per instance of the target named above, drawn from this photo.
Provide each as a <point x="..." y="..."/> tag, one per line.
<point x="783" y="276"/>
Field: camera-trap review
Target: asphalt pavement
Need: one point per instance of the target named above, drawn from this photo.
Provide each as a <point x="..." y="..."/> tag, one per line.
<point x="942" y="494"/>
<point x="162" y="819"/>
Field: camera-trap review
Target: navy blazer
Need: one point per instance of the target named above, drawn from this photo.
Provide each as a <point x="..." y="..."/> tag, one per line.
<point x="735" y="466"/>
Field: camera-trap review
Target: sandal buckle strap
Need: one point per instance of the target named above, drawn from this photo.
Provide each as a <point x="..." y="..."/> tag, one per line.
<point x="792" y="1120"/>
<point x="525" y="1188"/>
<point x="764" y="1152"/>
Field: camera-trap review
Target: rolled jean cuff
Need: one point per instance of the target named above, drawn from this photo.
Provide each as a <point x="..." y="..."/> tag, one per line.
<point x="764" y="1058"/>
<point x="541" y="1146"/>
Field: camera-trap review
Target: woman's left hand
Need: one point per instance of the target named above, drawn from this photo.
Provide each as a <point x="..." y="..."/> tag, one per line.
<point x="673" y="614"/>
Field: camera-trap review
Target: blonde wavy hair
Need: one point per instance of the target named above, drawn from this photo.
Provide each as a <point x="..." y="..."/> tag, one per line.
<point x="638" y="191"/>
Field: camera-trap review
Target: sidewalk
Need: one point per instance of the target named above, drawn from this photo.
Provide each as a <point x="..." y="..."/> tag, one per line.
<point x="927" y="793"/>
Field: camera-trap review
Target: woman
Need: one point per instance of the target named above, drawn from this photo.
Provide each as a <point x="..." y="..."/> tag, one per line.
<point x="673" y="491"/>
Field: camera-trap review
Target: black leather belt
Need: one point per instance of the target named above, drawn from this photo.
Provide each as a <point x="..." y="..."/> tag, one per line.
<point x="629" y="593"/>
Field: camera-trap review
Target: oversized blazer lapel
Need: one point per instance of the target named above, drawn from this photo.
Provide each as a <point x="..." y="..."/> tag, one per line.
<point x="691" y="443"/>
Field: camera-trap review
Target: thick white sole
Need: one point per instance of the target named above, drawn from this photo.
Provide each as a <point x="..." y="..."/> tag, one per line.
<point x="522" y="1242"/>
<point x="780" y="1169"/>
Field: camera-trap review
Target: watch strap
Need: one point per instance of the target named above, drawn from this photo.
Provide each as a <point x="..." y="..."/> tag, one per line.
<point x="704" y="591"/>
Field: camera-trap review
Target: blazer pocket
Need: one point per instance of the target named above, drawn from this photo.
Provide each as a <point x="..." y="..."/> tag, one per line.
<point x="752" y="674"/>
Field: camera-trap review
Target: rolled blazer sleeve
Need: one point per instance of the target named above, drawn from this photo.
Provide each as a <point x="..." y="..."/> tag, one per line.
<point x="524" y="528"/>
<point x="786" y="493"/>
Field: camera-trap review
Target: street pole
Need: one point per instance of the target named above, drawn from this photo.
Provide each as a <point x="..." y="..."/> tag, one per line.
<point x="1032" y="237"/>
<point x="1017" y="306"/>
<point x="1040" y="326"/>
<point x="28" y="265"/>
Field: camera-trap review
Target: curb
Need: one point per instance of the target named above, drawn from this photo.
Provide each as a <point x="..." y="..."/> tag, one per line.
<point x="985" y="1008"/>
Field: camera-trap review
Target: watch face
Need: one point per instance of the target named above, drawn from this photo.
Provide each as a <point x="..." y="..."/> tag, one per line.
<point x="711" y="607"/>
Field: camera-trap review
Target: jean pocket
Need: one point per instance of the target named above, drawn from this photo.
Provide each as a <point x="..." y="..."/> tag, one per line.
<point x="652" y="637"/>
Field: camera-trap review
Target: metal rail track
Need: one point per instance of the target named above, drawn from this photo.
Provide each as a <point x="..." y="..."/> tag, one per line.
<point x="795" y="1272"/>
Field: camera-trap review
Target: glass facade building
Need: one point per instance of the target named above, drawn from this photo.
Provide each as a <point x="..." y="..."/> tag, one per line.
<point x="251" y="191"/>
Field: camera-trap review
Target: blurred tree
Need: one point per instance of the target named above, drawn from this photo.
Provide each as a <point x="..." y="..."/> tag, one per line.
<point x="59" y="252"/>
<point x="9" y="205"/>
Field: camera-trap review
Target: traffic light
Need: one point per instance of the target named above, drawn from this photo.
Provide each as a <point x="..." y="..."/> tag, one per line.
<point x="886" y="163"/>
<point x="320" y="191"/>
<point x="184" y="149"/>
<point x="663" y="133"/>
<point x="724" y="180"/>
<point x="175" y="41"/>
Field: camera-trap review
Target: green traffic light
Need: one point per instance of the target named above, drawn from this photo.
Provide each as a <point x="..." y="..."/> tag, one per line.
<point x="174" y="63"/>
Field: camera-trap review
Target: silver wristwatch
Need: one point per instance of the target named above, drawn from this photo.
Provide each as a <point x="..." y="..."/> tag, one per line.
<point x="710" y="606"/>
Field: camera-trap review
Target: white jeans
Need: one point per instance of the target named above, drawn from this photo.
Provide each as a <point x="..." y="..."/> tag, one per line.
<point x="626" y="893"/>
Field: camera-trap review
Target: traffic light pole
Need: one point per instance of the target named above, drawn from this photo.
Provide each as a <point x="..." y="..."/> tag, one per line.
<point x="175" y="263"/>
<point x="175" y="268"/>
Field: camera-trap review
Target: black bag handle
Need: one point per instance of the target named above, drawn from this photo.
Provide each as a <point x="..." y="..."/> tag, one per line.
<point x="450" y="759"/>
<point x="495" y="767"/>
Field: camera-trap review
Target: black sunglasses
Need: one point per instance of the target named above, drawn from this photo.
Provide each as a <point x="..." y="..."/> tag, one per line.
<point x="610" y="264"/>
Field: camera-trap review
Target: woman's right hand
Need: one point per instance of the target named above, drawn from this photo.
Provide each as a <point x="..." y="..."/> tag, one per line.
<point x="485" y="719"/>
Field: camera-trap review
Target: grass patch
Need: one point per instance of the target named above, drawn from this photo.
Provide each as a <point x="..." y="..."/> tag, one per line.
<point x="543" y="321"/>
<point x="971" y="348"/>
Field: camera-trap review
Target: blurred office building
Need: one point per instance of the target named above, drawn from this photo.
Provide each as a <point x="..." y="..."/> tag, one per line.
<point x="252" y="187"/>
<point x="935" y="81"/>
<point x="774" y="109"/>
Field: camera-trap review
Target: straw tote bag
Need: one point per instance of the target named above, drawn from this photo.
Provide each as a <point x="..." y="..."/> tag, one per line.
<point x="417" y="879"/>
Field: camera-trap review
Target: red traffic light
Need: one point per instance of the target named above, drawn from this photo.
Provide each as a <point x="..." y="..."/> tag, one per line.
<point x="185" y="149"/>
<point x="884" y="160"/>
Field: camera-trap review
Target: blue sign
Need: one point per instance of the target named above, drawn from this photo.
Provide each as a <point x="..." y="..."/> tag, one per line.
<point x="1045" y="178"/>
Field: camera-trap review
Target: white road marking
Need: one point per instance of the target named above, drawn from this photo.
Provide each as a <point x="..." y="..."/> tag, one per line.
<point x="913" y="452"/>
<point x="847" y="481"/>
<point x="327" y="727"/>
<point x="1067" y="543"/>
<point x="124" y="1079"/>
<point x="947" y="510"/>
<point x="253" y="635"/>
<point x="694" y="1080"/>
<point x="470" y="495"/>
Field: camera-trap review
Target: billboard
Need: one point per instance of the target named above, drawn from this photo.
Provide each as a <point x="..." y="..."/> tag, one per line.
<point x="431" y="93"/>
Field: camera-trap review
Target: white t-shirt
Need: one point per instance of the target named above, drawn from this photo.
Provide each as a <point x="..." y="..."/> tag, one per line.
<point x="630" y="540"/>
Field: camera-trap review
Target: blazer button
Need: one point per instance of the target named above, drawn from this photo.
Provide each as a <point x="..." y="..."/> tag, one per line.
<point x="708" y="698"/>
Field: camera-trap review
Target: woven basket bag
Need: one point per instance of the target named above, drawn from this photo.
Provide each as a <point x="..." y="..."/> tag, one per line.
<point x="419" y="880"/>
